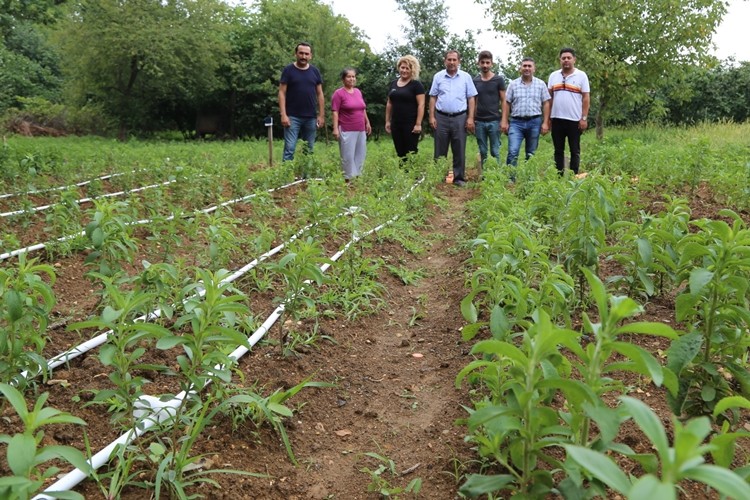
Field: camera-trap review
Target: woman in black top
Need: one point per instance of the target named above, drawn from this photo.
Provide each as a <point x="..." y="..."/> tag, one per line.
<point x="404" y="109"/>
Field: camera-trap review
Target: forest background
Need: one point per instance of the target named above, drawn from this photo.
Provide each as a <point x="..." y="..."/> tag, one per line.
<point x="192" y="68"/>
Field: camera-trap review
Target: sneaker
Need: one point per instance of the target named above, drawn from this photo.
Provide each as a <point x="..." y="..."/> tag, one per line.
<point x="449" y="178"/>
<point x="459" y="183"/>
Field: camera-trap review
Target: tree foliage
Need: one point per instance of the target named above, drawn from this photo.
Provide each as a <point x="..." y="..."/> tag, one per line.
<point x="628" y="49"/>
<point x="263" y="42"/>
<point x="428" y="37"/>
<point x="142" y="57"/>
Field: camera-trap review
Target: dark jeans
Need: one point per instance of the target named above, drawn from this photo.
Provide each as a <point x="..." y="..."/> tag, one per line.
<point x="299" y="128"/>
<point x="403" y="140"/>
<point x="488" y="133"/>
<point x="562" y="129"/>
<point x="520" y="130"/>
<point x="451" y="131"/>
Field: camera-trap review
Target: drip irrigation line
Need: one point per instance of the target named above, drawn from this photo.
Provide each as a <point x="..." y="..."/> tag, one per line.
<point x="100" y="339"/>
<point x="62" y="188"/>
<point x="86" y="200"/>
<point x="152" y="410"/>
<point x="39" y="246"/>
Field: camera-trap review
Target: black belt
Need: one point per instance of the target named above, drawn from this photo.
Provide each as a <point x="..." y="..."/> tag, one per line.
<point x="450" y="114"/>
<point x="524" y="117"/>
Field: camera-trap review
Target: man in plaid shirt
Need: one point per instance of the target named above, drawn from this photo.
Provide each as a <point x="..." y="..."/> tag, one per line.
<point x="527" y="103"/>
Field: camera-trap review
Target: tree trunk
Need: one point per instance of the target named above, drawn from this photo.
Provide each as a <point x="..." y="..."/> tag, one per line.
<point x="600" y="119"/>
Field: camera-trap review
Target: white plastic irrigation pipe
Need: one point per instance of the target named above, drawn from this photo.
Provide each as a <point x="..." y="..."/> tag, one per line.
<point x="61" y="188"/>
<point x="100" y="339"/>
<point x="86" y="200"/>
<point x="152" y="410"/>
<point x="63" y="239"/>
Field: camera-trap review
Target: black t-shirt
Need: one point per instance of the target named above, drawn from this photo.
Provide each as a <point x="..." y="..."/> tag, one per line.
<point x="488" y="98"/>
<point x="404" y="101"/>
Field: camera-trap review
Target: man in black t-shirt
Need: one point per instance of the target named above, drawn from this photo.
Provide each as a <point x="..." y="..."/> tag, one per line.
<point x="300" y="93"/>
<point x="491" y="88"/>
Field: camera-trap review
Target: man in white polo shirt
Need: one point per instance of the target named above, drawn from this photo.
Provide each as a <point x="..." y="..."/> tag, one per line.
<point x="569" y="88"/>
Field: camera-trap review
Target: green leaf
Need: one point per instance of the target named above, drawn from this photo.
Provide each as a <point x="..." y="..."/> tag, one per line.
<point x="280" y="409"/>
<point x="699" y="278"/>
<point x="600" y="466"/>
<point x="169" y="342"/>
<point x="21" y="453"/>
<point x="110" y="315"/>
<point x="683" y="351"/>
<point x="499" y="324"/>
<point x="468" y="309"/>
<point x="722" y="480"/>
<point x="649" y="487"/>
<point x="14" y="304"/>
<point x="477" y="484"/>
<point x="97" y="237"/>
<point x="708" y="393"/>
<point x="645" y="251"/>
<point x="730" y="402"/>
<point x="649" y="423"/>
<point x="649" y="328"/>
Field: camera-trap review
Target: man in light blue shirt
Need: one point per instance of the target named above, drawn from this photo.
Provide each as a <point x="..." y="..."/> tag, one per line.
<point x="452" y="105"/>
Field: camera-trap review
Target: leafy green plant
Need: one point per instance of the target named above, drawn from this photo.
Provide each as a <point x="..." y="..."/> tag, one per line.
<point x="213" y="316"/>
<point x="64" y="219"/>
<point x="110" y="234"/>
<point x="25" y="453"/>
<point x="221" y="233"/>
<point x="666" y="468"/>
<point x="26" y="301"/>
<point x="715" y="265"/>
<point x="299" y="269"/>
<point x="127" y="343"/>
<point x="381" y="485"/>
<point x="250" y="405"/>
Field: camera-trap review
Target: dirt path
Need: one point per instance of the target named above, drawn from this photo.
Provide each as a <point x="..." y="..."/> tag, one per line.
<point x="395" y="393"/>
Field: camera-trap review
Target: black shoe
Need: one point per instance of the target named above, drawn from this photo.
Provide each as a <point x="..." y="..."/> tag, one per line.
<point x="459" y="183"/>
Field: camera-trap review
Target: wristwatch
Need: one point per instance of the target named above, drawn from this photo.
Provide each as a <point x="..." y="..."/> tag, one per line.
<point x="585" y="118"/>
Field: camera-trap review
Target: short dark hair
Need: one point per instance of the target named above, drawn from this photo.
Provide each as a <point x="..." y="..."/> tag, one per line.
<point x="485" y="54"/>
<point x="567" y="49"/>
<point x="347" y="70"/>
<point x="530" y="59"/>
<point x="302" y="44"/>
<point x="453" y="51"/>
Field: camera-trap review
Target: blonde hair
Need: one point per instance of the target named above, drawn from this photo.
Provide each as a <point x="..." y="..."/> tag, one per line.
<point x="413" y="64"/>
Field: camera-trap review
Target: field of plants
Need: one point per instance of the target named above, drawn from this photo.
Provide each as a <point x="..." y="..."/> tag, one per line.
<point x="180" y="320"/>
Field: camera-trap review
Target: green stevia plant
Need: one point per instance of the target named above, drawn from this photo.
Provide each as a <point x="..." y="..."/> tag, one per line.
<point x="26" y="300"/>
<point x="381" y="485"/>
<point x="128" y="342"/>
<point x="300" y="270"/>
<point x="665" y="469"/>
<point x="28" y="459"/>
<point x="245" y="405"/>
<point x="64" y="219"/>
<point x="110" y="234"/>
<point x="712" y="359"/>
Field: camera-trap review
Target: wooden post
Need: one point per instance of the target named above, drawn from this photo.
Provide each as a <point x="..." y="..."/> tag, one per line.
<point x="269" y="125"/>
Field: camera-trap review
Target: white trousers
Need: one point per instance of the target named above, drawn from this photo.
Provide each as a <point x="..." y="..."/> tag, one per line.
<point x="353" y="148"/>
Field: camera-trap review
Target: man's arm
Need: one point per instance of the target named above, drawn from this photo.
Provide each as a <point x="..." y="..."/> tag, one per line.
<point x="583" y="124"/>
<point x="282" y="105"/>
<point x="471" y="106"/>
<point x="321" y="106"/>
<point x="545" y="116"/>
<point x="504" y="125"/>
<point x="502" y="108"/>
<point x="433" y="120"/>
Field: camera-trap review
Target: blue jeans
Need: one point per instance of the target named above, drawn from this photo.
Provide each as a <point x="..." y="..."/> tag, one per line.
<point x="299" y="128"/>
<point x="491" y="131"/>
<point x="517" y="132"/>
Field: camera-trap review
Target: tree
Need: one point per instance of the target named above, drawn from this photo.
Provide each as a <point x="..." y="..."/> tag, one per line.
<point x="263" y="42"/>
<point x="428" y="37"/>
<point x="628" y="49"/>
<point x="137" y="57"/>
<point x="28" y="65"/>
